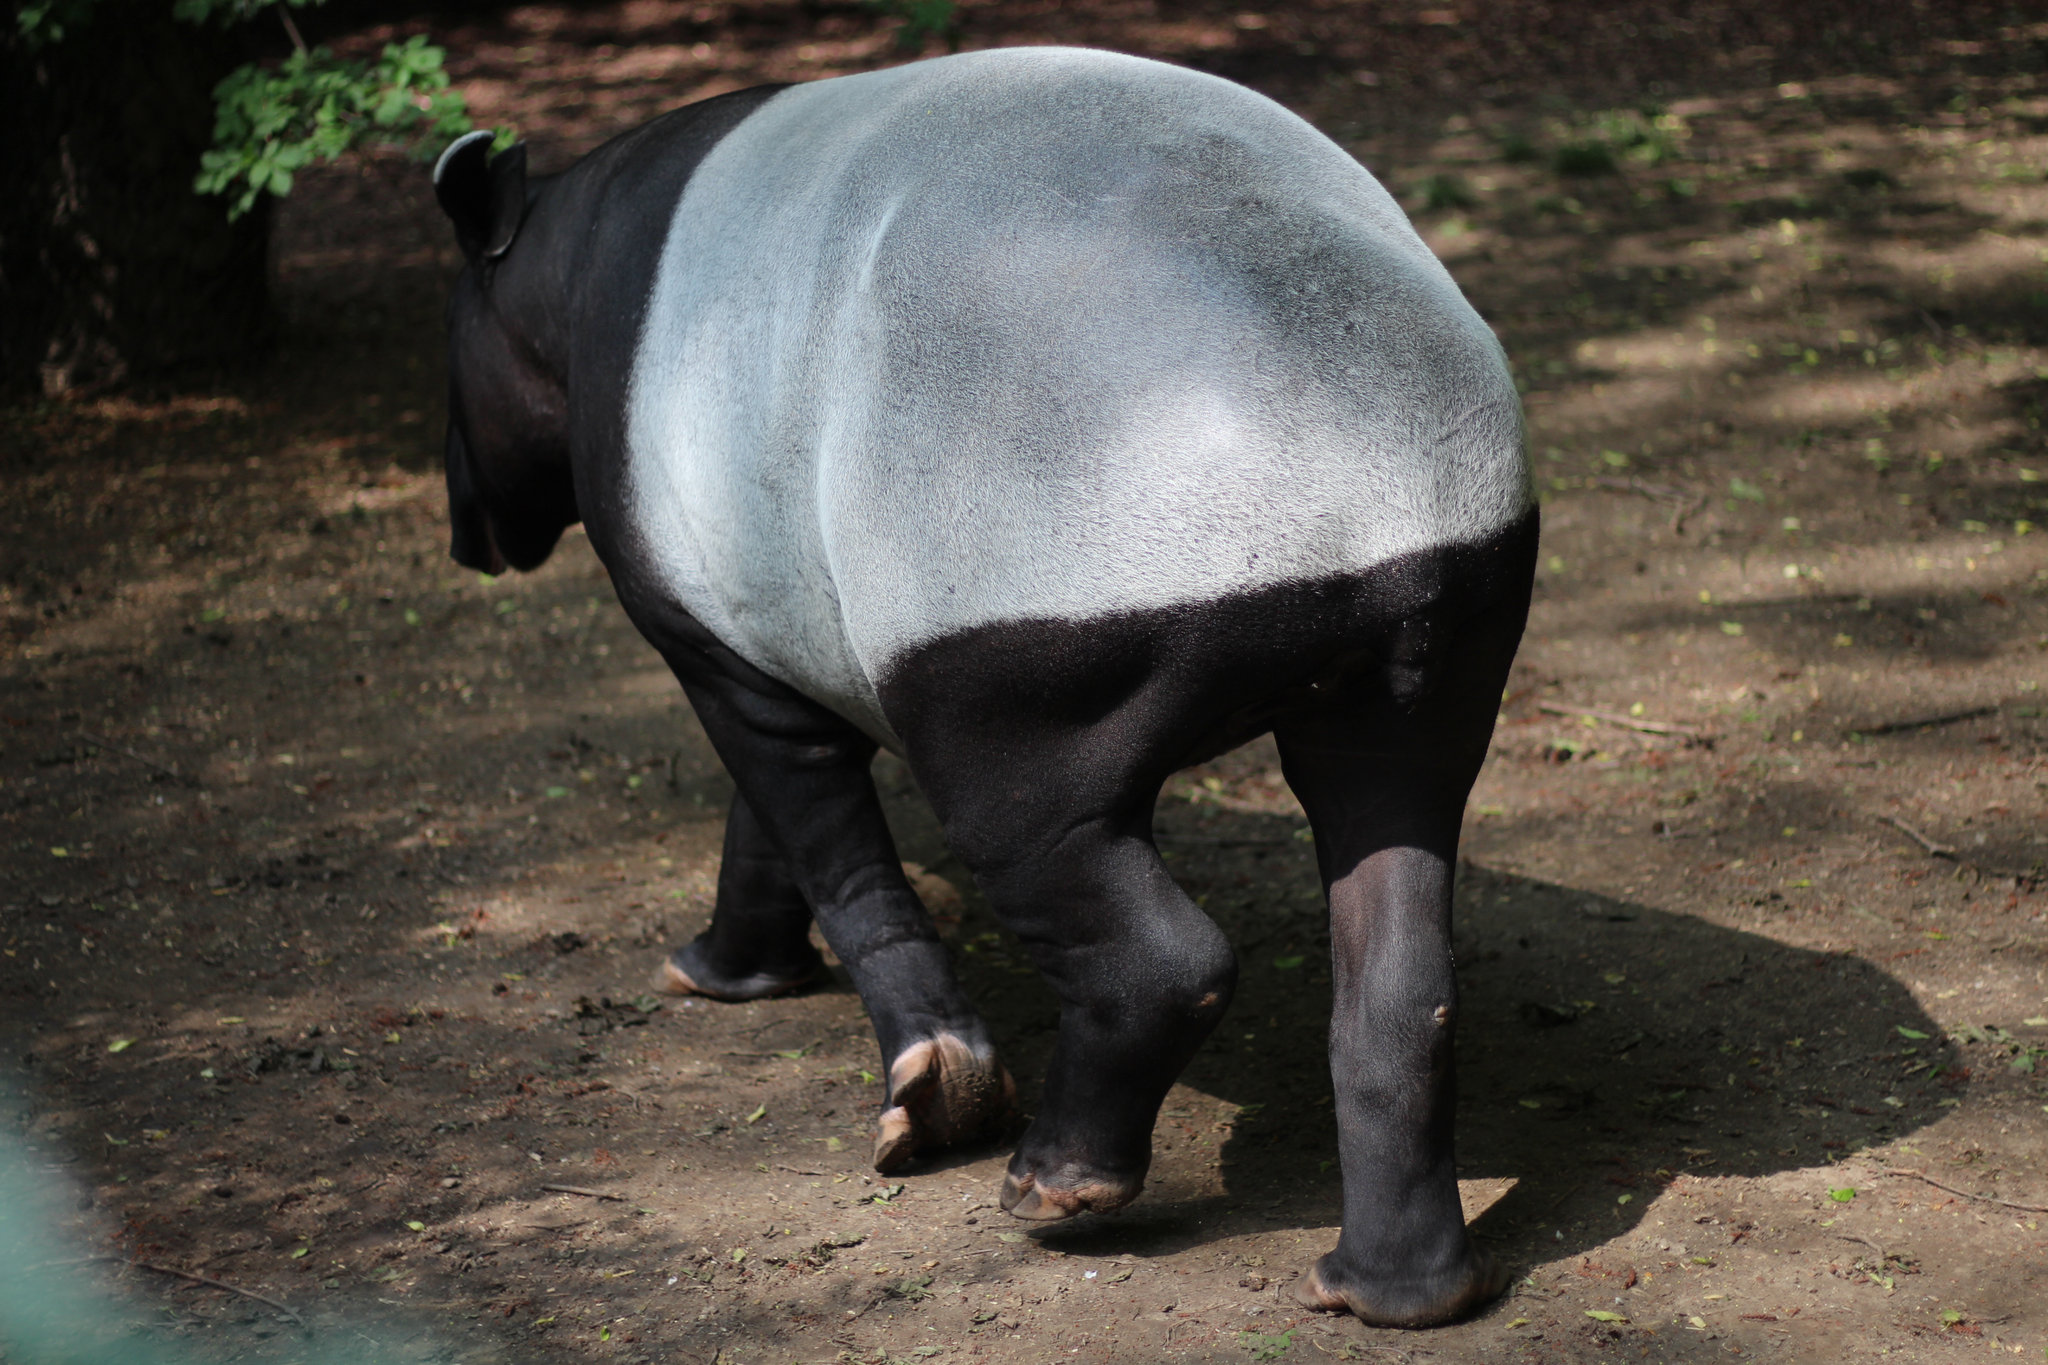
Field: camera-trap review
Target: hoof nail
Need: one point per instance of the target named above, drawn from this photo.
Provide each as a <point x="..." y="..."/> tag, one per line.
<point x="1033" y="1208"/>
<point x="895" y="1141"/>
<point x="1309" y="1293"/>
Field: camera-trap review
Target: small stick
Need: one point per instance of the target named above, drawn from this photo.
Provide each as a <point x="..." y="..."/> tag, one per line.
<point x="1650" y="727"/>
<point x="1683" y="504"/>
<point x="1656" y="492"/>
<point x="801" y="1052"/>
<point x="101" y="742"/>
<point x="587" y="1194"/>
<point x="1851" y="1237"/>
<point x="798" y="1170"/>
<point x="1934" y="850"/>
<point x="206" y="1280"/>
<point x="1893" y="727"/>
<point x="1985" y="1198"/>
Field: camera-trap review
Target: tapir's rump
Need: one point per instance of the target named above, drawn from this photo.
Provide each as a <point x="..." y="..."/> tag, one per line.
<point x="1041" y="335"/>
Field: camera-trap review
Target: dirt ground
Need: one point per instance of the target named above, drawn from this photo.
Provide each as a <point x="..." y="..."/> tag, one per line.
<point x="335" y="877"/>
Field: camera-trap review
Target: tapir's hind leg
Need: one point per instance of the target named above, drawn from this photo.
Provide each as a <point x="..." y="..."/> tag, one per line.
<point x="1048" y="799"/>
<point x="759" y="942"/>
<point x="1385" y="789"/>
<point x="1142" y="975"/>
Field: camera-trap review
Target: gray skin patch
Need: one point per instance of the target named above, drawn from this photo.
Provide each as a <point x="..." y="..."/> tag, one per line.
<point x="1041" y="334"/>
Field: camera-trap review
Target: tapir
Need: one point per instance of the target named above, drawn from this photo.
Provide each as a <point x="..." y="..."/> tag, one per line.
<point x="1055" y="419"/>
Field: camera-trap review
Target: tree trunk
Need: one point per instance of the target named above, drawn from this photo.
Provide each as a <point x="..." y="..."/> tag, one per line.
<point x="110" y="264"/>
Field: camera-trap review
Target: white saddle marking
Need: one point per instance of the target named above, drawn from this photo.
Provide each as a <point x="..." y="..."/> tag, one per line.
<point x="1041" y="333"/>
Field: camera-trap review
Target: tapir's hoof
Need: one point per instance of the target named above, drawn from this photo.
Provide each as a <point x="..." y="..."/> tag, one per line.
<point x="941" y="1093"/>
<point x="1423" y="1303"/>
<point x="1024" y="1197"/>
<point x="688" y="972"/>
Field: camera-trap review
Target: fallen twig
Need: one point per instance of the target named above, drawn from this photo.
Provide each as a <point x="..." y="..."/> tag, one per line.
<point x="1984" y="1198"/>
<point x="1893" y="727"/>
<point x="1392" y="1352"/>
<point x="853" y="1314"/>
<point x="102" y="742"/>
<point x="1656" y="492"/>
<point x="1684" y="504"/>
<point x="801" y="1052"/>
<point x="1648" y="727"/>
<point x="1934" y="850"/>
<point x="798" y="1170"/>
<point x="1852" y="1237"/>
<point x="587" y="1194"/>
<point x="206" y="1280"/>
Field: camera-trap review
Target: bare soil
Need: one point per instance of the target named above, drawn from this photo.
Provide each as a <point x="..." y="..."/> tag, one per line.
<point x="335" y="878"/>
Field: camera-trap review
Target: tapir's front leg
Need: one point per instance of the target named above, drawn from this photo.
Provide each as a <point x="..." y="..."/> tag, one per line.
<point x="803" y="773"/>
<point x="1385" y="788"/>
<point x="759" y="942"/>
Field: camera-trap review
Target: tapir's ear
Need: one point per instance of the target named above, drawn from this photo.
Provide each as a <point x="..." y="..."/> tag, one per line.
<point x="484" y="195"/>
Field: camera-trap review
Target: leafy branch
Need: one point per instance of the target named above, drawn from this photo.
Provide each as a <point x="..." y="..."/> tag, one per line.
<point x="271" y="122"/>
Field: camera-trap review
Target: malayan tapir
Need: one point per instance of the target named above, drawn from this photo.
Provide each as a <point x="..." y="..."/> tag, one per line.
<point x="1056" y="419"/>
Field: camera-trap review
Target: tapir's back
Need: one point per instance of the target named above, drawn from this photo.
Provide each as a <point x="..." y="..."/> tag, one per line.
<point x="1042" y="334"/>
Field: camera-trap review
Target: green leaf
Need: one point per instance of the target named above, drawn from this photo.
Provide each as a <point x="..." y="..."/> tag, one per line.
<point x="120" y="1045"/>
<point x="416" y="1225"/>
<point x="1905" y="1032"/>
<point x="298" y="1252"/>
<point x="46" y="21"/>
<point x="1602" y="1315"/>
<point x="1287" y="964"/>
<point x="555" y="793"/>
<point x="1265" y="1347"/>
<point x="604" y="1334"/>
<point x="1843" y="1195"/>
<point x="758" y="1114"/>
<point x="270" y="122"/>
